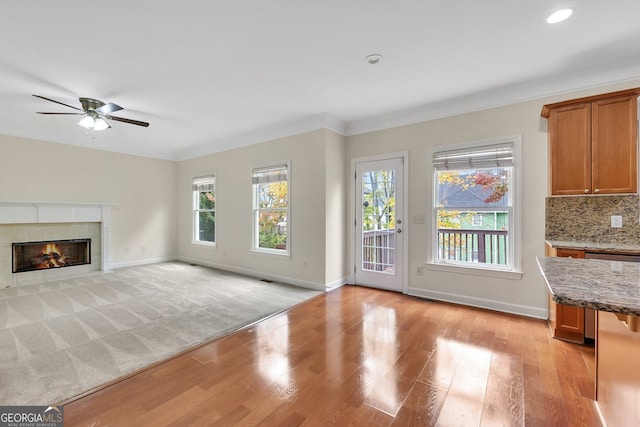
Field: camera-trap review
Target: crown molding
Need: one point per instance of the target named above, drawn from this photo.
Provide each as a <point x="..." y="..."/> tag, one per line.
<point x="269" y="133"/>
<point x="548" y="87"/>
<point x="494" y="98"/>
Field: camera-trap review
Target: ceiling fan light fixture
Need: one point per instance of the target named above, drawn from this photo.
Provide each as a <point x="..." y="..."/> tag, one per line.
<point x="87" y="122"/>
<point x="100" y="124"/>
<point x="94" y="113"/>
<point x="95" y="123"/>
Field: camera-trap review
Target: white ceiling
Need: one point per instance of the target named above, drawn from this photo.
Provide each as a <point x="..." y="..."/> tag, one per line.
<point x="210" y="75"/>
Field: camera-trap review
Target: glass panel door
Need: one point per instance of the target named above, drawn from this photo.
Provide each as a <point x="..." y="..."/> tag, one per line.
<point x="379" y="224"/>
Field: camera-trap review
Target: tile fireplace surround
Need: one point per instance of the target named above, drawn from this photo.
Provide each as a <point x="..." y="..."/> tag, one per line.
<point x="39" y="221"/>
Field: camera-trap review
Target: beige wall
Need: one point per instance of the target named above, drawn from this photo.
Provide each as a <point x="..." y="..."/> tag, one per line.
<point x="307" y="264"/>
<point x="336" y="209"/>
<point x="152" y="218"/>
<point x="144" y="218"/>
<point x="526" y="295"/>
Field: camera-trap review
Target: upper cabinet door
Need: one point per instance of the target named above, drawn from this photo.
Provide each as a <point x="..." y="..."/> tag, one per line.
<point x="593" y="144"/>
<point x="570" y="149"/>
<point x="614" y="145"/>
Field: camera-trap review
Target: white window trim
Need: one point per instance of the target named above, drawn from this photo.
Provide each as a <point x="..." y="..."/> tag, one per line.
<point x="195" y="210"/>
<point x="254" y="235"/>
<point x="515" y="272"/>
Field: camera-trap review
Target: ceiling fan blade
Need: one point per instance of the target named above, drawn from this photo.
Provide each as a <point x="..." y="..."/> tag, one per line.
<point x="67" y="114"/>
<point x="58" y="102"/>
<point x="131" y="122"/>
<point x="108" y="108"/>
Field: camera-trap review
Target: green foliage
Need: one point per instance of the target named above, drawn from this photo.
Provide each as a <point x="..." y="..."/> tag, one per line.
<point x="206" y="220"/>
<point x="379" y="200"/>
<point x="207" y="200"/>
<point x="272" y="199"/>
<point x="272" y="241"/>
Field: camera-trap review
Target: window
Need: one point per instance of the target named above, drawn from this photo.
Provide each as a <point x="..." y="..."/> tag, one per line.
<point x="271" y="208"/>
<point x="204" y="210"/>
<point x="473" y="207"/>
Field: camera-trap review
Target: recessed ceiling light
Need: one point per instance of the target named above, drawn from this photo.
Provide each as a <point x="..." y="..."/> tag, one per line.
<point x="559" y="16"/>
<point x="373" y="59"/>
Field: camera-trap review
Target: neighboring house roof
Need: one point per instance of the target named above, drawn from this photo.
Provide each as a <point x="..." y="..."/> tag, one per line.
<point x="451" y="195"/>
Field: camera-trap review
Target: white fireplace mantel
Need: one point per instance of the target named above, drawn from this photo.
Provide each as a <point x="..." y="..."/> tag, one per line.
<point x="61" y="212"/>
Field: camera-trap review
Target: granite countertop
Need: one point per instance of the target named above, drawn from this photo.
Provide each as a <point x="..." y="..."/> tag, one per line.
<point x="626" y="248"/>
<point x="612" y="286"/>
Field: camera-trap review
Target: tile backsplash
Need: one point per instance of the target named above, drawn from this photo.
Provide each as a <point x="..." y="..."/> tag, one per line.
<point x="588" y="218"/>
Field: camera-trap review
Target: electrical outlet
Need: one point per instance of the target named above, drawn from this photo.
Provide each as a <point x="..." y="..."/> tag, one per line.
<point x="419" y="271"/>
<point x="616" y="221"/>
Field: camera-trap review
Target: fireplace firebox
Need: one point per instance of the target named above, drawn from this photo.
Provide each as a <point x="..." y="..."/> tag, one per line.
<point x="31" y="256"/>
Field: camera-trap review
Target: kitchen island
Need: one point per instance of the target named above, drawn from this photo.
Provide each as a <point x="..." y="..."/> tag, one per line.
<point x="613" y="289"/>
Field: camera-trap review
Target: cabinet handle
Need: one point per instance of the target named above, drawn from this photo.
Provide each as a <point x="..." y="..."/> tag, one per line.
<point x="586" y="190"/>
<point x="597" y="190"/>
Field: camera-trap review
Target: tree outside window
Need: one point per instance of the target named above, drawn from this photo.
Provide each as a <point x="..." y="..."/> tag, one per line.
<point x="271" y="208"/>
<point x="379" y="200"/>
<point x="204" y="210"/>
<point x="474" y="206"/>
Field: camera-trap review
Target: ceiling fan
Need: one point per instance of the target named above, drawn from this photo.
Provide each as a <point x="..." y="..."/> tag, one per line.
<point x="95" y="112"/>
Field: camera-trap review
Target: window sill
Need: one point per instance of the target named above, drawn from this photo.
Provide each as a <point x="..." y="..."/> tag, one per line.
<point x="475" y="271"/>
<point x="275" y="252"/>
<point x="207" y="244"/>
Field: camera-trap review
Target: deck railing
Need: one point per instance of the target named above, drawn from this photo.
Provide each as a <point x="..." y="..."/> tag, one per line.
<point x="481" y="246"/>
<point x="378" y="250"/>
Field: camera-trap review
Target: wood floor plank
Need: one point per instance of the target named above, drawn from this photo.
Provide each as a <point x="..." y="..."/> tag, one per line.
<point x="464" y="402"/>
<point x="421" y="407"/>
<point x="362" y="357"/>
<point x="504" y="397"/>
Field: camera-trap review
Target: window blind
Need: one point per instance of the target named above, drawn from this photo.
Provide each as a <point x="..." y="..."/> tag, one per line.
<point x="204" y="183"/>
<point x="487" y="156"/>
<point x="269" y="174"/>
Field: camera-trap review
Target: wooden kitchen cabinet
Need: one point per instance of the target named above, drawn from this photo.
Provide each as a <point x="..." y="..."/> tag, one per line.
<point x="593" y="144"/>
<point x="567" y="322"/>
<point x="570" y="253"/>
<point x="618" y="376"/>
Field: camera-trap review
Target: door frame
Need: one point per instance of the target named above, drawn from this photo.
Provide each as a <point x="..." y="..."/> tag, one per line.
<point x="404" y="155"/>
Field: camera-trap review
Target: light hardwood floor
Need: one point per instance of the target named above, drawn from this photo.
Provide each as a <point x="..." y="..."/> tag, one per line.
<point x="363" y="357"/>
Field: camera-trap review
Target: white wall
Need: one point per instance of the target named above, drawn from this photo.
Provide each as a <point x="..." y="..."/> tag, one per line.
<point x="144" y="218"/>
<point x="308" y="154"/>
<point x="527" y="295"/>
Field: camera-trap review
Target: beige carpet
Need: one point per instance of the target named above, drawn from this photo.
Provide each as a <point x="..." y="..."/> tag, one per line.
<point x="61" y="338"/>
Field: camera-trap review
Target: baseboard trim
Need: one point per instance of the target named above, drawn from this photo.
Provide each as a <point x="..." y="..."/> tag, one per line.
<point x="257" y="274"/>
<point x="521" y="310"/>
<point x="136" y="263"/>
<point x="336" y="283"/>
